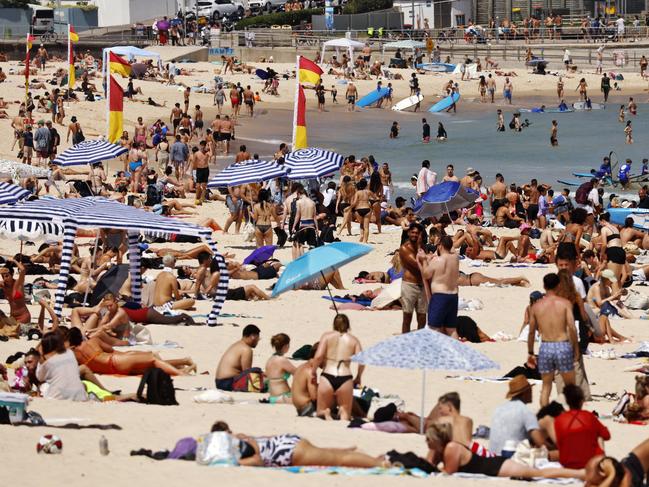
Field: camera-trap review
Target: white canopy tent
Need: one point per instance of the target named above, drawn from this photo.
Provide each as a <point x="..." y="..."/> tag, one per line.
<point x="344" y="43"/>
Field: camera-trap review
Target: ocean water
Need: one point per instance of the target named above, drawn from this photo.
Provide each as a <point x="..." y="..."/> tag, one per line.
<point x="584" y="139"/>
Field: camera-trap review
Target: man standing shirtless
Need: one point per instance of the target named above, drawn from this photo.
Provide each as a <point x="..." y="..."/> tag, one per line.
<point x="225" y="133"/>
<point x="443" y="271"/>
<point x="386" y="181"/>
<point x="351" y="94"/>
<point x="304" y="228"/>
<point x="412" y="286"/>
<point x="176" y="115"/>
<point x="249" y="100"/>
<point x="200" y="164"/>
<point x="498" y="194"/>
<point x="552" y="317"/>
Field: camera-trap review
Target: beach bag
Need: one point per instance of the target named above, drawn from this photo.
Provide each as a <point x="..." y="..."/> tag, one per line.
<point x="159" y="388"/>
<point x="185" y="449"/>
<point x="250" y="380"/>
<point x="527" y="455"/>
<point x="218" y="449"/>
<point x="637" y="301"/>
<point x="248" y="232"/>
<point x="153" y="195"/>
<point x="623" y="404"/>
<point x="581" y="196"/>
<point x="9" y="327"/>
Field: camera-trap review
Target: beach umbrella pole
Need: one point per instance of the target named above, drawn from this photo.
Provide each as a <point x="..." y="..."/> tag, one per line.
<point x="423" y="401"/>
<point x="329" y="291"/>
<point x="449" y="216"/>
<point x="92" y="268"/>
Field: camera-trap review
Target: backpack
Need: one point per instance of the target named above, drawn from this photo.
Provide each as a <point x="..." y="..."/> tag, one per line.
<point x="159" y="388"/>
<point x="581" y="196"/>
<point x="153" y="195"/>
<point x="250" y="380"/>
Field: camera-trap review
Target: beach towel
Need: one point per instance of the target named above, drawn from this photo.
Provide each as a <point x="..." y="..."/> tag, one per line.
<point x="359" y="300"/>
<point x="357" y="472"/>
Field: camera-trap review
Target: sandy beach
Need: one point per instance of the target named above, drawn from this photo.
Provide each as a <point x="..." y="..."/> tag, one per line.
<point x="303" y="315"/>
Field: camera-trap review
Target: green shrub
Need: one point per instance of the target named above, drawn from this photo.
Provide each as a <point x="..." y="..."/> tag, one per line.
<point x="280" y="18"/>
<point x="362" y="6"/>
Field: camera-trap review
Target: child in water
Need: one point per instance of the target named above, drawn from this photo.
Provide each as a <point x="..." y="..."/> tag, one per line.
<point x="394" y="130"/>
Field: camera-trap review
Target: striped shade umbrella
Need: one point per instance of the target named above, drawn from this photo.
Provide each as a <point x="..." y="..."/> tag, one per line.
<point x="246" y="172"/>
<point x="89" y="152"/>
<point x="10" y="194"/>
<point x="312" y="163"/>
<point x="29" y="231"/>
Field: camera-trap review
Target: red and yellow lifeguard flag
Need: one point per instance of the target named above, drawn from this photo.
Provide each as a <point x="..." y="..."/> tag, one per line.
<point x="30" y="39"/>
<point x="72" y="38"/>
<point x="115" y="111"/>
<point x="299" y="131"/>
<point x="309" y="72"/>
<point x="119" y="65"/>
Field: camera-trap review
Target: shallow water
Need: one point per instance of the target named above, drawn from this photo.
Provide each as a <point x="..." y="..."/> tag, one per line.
<point x="584" y="139"/>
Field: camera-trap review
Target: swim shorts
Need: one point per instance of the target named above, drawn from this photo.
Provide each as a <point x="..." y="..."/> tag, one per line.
<point x="202" y="175"/>
<point x="308" y="410"/>
<point x="224" y="384"/>
<point x="233" y="207"/>
<point x="236" y="294"/>
<point x="413" y="298"/>
<point x="555" y="356"/>
<point x="225" y="135"/>
<point x="617" y="255"/>
<point x="532" y="212"/>
<point x="351" y="100"/>
<point x="632" y="463"/>
<point x="442" y="310"/>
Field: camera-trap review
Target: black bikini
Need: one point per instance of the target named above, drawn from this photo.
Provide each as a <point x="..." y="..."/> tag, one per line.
<point x="336" y="381"/>
<point x="363" y="211"/>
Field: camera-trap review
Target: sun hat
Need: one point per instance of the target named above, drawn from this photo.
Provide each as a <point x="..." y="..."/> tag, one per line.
<point x="470" y="170"/>
<point x="518" y="385"/>
<point x="608" y="274"/>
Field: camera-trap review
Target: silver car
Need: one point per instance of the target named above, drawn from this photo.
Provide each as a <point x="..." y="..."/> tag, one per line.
<point x="217" y="9"/>
<point x="265" y="5"/>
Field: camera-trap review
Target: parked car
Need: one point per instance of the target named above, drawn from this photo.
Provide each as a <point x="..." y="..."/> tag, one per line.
<point x="265" y="5"/>
<point x="217" y="9"/>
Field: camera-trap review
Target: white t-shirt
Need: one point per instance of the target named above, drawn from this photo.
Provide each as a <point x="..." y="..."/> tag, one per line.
<point x="579" y="286"/>
<point x="620" y="25"/>
<point x="61" y="373"/>
<point x="425" y="180"/>
<point x="593" y="198"/>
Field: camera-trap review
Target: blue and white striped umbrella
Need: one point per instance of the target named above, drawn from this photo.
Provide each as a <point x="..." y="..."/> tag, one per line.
<point x="246" y="172"/>
<point x="89" y="152"/>
<point x="10" y="194"/>
<point x="312" y="163"/>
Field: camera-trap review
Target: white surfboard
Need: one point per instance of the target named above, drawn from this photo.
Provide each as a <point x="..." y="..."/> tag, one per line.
<point x="411" y="101"/>
<point x="581" y="105"/>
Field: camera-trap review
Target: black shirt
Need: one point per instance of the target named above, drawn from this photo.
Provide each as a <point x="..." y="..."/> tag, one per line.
<point x="426" y="130"/>
<point x="644" y="203"/>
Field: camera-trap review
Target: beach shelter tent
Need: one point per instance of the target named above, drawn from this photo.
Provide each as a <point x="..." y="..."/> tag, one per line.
<point x="130" y="53"/>
<point x="404" y="45"/>
<point x="342" y="43"/>
<point x="69" y="215"/>
<point x="471" y="70"/>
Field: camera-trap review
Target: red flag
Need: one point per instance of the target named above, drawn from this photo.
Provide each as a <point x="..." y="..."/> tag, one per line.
<point x="299" y="130"/>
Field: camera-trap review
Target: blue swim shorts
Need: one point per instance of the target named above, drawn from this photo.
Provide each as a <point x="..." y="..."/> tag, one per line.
<point x="555" y="356"/>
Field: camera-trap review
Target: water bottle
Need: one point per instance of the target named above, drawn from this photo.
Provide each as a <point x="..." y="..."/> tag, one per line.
<point x="103" y="445"/>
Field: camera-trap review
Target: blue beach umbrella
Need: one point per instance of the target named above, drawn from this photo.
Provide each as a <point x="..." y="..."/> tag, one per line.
<point x="312" y="163"/>
<point x="444" y="198"/>
<point x="424" y="349"/>
<point x="246" y="172"/>
<point x="318" y="262"/>
<point x="260" y="255"/>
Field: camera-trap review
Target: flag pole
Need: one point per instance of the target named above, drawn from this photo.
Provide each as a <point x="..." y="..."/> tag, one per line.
<point x="27" y="54"/>
<point x="297" y="96"/>
<point x="107" y="76"/>
<point x="70" y="61"/>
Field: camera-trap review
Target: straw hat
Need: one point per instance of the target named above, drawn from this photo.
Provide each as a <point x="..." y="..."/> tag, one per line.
<point x="517" y="386"/>
<point x="609" y="274"/>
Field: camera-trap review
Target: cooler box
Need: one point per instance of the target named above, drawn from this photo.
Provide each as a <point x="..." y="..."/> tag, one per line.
<point x="16" y="403"/>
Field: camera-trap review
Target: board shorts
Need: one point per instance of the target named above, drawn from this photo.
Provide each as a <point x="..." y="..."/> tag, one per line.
<point x="442" y="310"/>
<point x="236" y="294"/>
<point x="202" y="175"/>
<point x="233" y="207"/>
<point x="413" y="298"/>
<point x="507" y="94"/>
<point x="351" y="100"/>
<point x="617" y="255"/>
<point x="555" y="356"/>
<point x="225" y="136"/>
<point x="198" y="124"/>
<point x="633" y="464"/>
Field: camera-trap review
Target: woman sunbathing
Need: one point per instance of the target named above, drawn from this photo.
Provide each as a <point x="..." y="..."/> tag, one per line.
<point x="604" y="471"/>
<point x="476" y="278"/>
<point x="295" y="451"/>
<point x="102" y="358"/>
<point x="458" y="458"/>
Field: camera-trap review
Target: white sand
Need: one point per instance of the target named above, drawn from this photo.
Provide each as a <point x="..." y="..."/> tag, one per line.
<point x="304" y="316"/>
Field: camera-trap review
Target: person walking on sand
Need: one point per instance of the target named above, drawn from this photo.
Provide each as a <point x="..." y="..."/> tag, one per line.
<point x="491" y="87"/>
<point x="560" y="86"/>
<point x="413" y="298"/>
<point x="443" y="271"/>
<point x="552" y="317"/>
<point x="628" y="132"/>
<point x="554" y="141"/>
